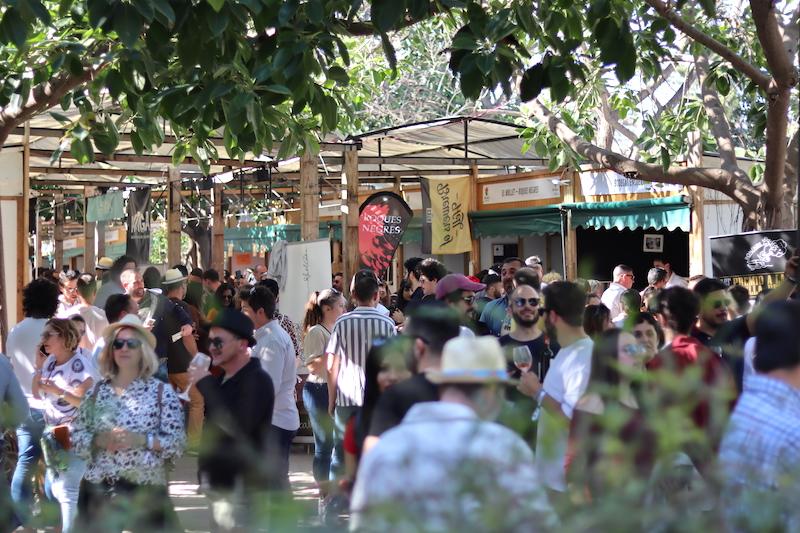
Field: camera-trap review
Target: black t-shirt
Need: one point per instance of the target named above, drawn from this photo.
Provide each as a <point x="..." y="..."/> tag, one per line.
<point x="728" y="341"/>
<point x="398" y="399"/>
<point x="539" y="350"/>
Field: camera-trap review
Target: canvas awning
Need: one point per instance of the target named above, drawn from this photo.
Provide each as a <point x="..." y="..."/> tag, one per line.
<point x="660" y="213"/>
<point x="524" y="221"/>
<point x="670" y="213"/>
<point x="243" y="239"/>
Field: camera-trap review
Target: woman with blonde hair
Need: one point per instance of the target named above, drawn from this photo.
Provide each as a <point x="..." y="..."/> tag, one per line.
<point x="322" y="310"/>
<point x="130" y="425"/>
<point x="62" y="375"/>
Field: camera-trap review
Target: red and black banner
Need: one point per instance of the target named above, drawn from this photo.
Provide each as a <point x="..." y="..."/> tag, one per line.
<point x="382" y="221"/>
<point x="138" y="245"/>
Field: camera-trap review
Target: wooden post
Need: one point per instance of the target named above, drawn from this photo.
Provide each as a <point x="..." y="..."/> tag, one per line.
<point x="475" y="255"/>
<point x="352" y="257"/>
<point x="100" y="238"/>
<point x="570" y="240"/>
<point x="37" y="242"/>
<point x="337" y="263"/>
<point x="218" y="230"/>
<point x="88" y="233"/>
<point x="174" y="217"/>
<point x="58" y="231"/>
<point x="309" y="196"/>
<point x="697" y="245"/>
<point x="23" y="212"/>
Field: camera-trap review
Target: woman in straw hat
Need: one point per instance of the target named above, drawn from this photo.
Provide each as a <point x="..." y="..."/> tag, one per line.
<point x="62" y="376"/>
<point x="128" y="428"/>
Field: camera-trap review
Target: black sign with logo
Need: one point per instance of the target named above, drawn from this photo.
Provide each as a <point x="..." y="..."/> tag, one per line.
<point x="382" y="221"/>
<point x="749" y="254"/>
<point x="138" y="244"/>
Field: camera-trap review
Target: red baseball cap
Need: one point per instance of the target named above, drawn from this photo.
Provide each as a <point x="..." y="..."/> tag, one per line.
<point x="456" y="282"/>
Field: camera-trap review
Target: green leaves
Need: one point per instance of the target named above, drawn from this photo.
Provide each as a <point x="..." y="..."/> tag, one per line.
<point x="13" y="30"/>
<point x="533" y="81"/>
<point x="386" y="14"/>
<point x="216" y="5"/>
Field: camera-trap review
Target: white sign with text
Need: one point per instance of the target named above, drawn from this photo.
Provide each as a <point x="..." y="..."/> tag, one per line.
<point x="610" y="182"/>
<point x="521" y="191"/>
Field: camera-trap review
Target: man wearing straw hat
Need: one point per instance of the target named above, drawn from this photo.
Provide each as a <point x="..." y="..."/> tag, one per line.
<point x="448" y="466"/>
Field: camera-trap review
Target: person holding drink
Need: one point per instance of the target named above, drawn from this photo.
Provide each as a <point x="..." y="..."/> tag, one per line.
<point x="61" y="377"/>
<point x="127" y="429"/>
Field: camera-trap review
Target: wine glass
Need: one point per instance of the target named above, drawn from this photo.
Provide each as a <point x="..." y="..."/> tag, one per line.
<point x="200" y="360"/>
<point x="523" y="358"/>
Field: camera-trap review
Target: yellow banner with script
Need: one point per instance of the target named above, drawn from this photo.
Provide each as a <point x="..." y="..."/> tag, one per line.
<point x="449" y="224"/>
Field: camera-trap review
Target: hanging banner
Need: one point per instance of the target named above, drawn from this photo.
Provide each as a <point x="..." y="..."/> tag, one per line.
<point x="382" y="220"/>
<point x="138" y="244"/>
<point x="446" y="229"/>
<point x="752" y="253"/>
<point x="105" y="207"/>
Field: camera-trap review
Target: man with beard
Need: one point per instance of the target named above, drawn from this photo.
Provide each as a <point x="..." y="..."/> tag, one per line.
<point x="459" y="293"/>
<point x="566" y="379"/>
<point x="525" y="304"/>
<point x="495" y="311"/>
<point x="153" y="308"/>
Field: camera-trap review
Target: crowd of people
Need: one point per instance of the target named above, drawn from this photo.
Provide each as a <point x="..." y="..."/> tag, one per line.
<point x="512" y="400"/>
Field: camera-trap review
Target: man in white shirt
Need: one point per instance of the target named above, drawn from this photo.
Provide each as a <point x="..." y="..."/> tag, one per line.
<point x="68" y="302"/>
<point x="448" y="466"/>
<point x="39" y="303"/>
<point x="94" y="317"/>
<point x="276" y="353"/>
<point x="673" y="280"/>
<point x="566" y="380"/>
<point x="623" y="280"/>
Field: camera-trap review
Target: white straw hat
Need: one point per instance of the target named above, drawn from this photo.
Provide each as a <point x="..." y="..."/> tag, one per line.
<point x="471" y="360"/>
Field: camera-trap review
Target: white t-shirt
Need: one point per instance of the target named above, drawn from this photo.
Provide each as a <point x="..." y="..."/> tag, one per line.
<point x="75" y="371"/>
<point x="21" y="347"/>
<point x="566" y="382"/>
<point x="611" y="298"/>
<point x="676" y="281"/>
<point x="96" y="322"/>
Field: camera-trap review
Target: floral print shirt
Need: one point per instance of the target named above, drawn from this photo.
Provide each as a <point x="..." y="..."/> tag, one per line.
<point x="136" y="410"/>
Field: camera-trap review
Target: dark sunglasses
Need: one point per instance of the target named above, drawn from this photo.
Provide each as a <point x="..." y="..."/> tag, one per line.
<point x="132" y="343"/>
<point x="719" y="304"/>
<point x="469" y="299"/>
<point x="216" y="342"/>
<point x="520" y="302"/>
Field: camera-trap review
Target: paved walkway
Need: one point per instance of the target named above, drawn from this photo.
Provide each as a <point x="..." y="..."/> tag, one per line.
<point x="192" y="507"/>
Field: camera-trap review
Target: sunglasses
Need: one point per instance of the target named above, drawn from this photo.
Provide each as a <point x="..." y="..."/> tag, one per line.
<point x="633" y="350"/>
<point x="132" y="343"/>
<point x="217" y="342"/>
<point x="520" y="302"/>
<point x="719" y="304"/>
<point x="469" y="299"/>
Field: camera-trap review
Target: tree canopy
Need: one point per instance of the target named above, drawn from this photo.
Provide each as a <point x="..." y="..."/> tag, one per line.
<point x="270" y="75"/>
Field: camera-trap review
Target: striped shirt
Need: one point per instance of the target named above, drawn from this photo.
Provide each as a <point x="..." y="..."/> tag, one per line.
<point x="351" y="339"/>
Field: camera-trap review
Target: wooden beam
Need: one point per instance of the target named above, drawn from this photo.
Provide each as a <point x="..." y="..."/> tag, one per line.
<point x="570" y="238"/>
<point x="58" y="232"/>
<point x="83" y="171"/>
<point x="350" y="178"/>
<point x="309" y="196"/>
<point x="218" y="230"/>
<point x="174" y="217"/>
<point x="466" y="162"/>
<point x="88" y="233"/>
<point x="165" y="159"/>
<point x="3" y="291"/>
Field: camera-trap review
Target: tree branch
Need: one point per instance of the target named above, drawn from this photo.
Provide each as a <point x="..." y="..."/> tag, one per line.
<point x="366" y="28"/>
<point x="717" y="120"/>
<point x="673" y="101"/>
<point x="738" y="62"/>
<point x="770" y="36"/>
<point x="712" y="178"/>
<point x="651" y="89"/>
<point x="790" y="183"/>
<point x="43" y="97"/>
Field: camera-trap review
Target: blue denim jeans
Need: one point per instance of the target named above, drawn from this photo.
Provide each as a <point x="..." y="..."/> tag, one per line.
<point x="340" y="417"/>
<point x="315" y="399"/>
<point x="64" y="487"/>
<point x="30" y="451"/>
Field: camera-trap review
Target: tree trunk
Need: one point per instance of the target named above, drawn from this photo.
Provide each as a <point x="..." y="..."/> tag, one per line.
<point x="200" y="233"/>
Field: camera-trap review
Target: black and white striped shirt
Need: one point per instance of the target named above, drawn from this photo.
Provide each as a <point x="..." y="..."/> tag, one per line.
<point x="351" y="339"/>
